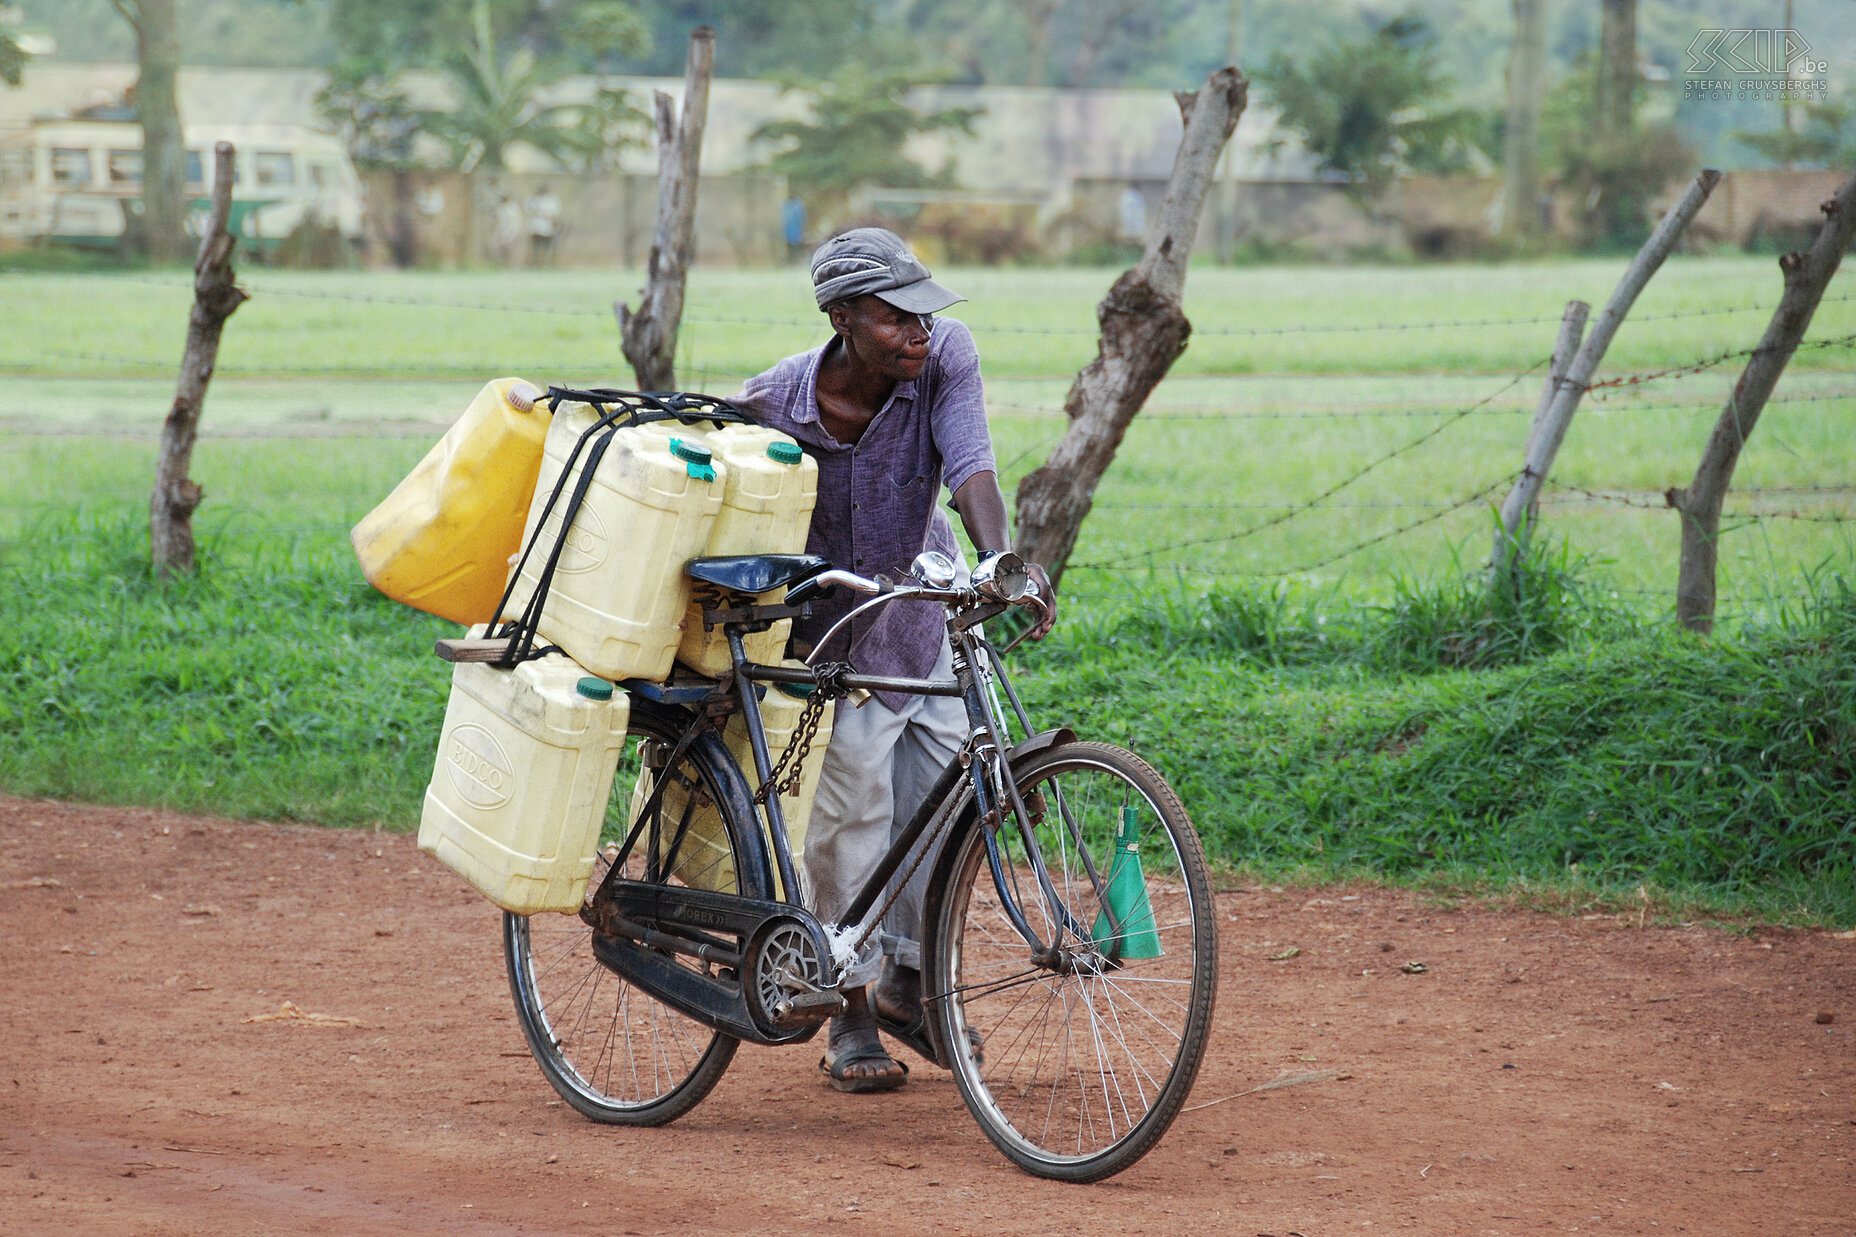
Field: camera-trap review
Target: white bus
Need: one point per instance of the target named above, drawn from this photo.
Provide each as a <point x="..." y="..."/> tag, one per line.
<point x="80" y="181"/>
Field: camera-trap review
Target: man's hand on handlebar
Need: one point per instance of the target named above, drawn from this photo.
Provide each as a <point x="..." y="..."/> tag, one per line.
<point x="1043" y="598"/>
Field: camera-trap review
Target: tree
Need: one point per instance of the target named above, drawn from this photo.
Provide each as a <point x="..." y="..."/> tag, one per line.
<point x="12" y="59"/>
<point x="1826" y="139"/>
<point x="1370" y="108"/>
<point x="1144" y="330"/>
<point x="497" y="104"/>
<point x="1611" y="175"/>
<point x="500" y="56"/>
<point x="1806" y="276"/>
<point x="157" y="106"/>
<point x="1521" y="130"/>
<point x="1614" y="99"/>
<point x="860" y="124"/>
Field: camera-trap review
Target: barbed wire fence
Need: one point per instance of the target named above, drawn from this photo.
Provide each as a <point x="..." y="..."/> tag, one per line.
<point x="1659" y="390"/>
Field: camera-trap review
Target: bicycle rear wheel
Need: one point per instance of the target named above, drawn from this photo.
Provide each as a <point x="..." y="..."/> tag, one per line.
<point x="613" y="1052"/>
<point x="1086" y="1060"/>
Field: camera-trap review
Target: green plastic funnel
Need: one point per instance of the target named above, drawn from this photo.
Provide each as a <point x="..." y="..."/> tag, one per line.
<point x="1127" y="898"/>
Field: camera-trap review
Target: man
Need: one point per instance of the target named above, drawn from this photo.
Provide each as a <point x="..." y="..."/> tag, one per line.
<point x="892" y="408"/>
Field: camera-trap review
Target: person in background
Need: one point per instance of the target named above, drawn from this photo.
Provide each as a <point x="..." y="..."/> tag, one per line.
<point x="543" y="212"/>
<point x="793" y="227"/>
<point x="893" y="410"/>
<point x="508" y="233"/>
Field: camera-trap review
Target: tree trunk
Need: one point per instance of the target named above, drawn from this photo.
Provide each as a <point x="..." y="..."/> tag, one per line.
<point x="1806" y="275"/>
<point x="1522" y="507"/>
<point x="1617" y="67"/>
<point x="1550" y="424"/>
<point x="164" y="153"/>
<point x="1521" y="138"/>
<point x="215" y="296"/>
<point x="649" y="336"/>
<point x="1144" y="330"/>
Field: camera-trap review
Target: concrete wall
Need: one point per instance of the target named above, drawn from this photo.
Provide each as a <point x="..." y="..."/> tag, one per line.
<point x="446" y="219"/>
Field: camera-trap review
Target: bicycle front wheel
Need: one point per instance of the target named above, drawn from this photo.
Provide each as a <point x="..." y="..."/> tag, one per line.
<point x="1085" y="1057"/>
<point x="612" y="1051"/>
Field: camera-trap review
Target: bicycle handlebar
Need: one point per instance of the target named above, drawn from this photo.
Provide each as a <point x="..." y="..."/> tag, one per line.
<point x="1001" y="577"/>
<point x="998" y="581"/>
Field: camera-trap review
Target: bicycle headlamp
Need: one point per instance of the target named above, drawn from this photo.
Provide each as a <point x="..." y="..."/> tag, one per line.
<point x="1002" y="577"/>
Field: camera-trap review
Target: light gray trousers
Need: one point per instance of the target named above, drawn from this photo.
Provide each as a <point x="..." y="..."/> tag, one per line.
<point x="878" y="769"/>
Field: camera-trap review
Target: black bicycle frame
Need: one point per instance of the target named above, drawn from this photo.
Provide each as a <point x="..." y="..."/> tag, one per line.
<point x="984" y="745"/>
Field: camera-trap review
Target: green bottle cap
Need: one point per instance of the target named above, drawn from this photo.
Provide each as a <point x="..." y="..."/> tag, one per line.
<point x="690" y="452"/>
<point x="695" y="459"/>
<point x="785" y="452"/>
<point x="594" y="689"/>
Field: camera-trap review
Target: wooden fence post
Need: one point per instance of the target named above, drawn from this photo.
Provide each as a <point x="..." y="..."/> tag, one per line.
<point x="1806" y="275"/>
<point x="649" y="335"/>
<point x="1520" y="509"/>
<point x="1144" y="330"/>
<point x="215" y="297"/>
<point x="1544" y="445"/>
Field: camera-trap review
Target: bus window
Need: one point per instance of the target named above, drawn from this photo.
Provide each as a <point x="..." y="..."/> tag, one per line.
<point x="274" y="167"/>
<point x="321" y="176"/>
<point x="125" y="167"/>
<point x="70" y="165"/>
<point x="15" y="167"/>
<point x="196" y="169"/>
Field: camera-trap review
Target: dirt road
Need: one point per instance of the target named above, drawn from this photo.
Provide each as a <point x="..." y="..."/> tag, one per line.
<point x="1540" y="1074"/>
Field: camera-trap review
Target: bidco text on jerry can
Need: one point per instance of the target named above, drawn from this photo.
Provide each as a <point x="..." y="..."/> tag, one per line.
<point x="441" y="541"/>
<point x="618" y="596"/>
<point x="524" y="771"/>
<point x="767" y="506"/>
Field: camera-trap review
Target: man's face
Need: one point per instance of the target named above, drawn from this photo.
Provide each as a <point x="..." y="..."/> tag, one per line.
<point x="882" y="338"/>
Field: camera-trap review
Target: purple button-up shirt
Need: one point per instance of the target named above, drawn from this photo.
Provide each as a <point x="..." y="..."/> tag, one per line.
<point x="877" y="498"/>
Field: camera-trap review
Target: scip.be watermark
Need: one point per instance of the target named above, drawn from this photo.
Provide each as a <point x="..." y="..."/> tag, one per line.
<point x="1749" y="64"/>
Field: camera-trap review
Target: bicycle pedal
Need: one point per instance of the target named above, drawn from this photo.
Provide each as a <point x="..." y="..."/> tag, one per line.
<point x="807" y="1008"/>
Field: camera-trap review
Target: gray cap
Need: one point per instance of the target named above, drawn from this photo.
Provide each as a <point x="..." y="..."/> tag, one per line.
<point x="875" y="261"/>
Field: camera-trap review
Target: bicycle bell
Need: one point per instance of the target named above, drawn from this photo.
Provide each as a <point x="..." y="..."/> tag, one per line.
<point x="1002" y="577"/>
<point x="933" y="568"/>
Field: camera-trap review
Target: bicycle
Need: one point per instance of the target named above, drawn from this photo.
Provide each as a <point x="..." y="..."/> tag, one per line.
<point x="1069" y="947"/>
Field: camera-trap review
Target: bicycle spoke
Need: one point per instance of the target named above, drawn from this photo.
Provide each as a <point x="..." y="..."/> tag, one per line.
<point x="1089" y="1058"/>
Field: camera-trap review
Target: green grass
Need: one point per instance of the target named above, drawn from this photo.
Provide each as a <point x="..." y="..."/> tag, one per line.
<point x="1316" y="738"/>
<point x="1247" y="427"/>
<point x="1332" y="692"/>
<point x="1030" y="323"/>
<point x="1307" y="736"/>
<point x="283" y="687"/>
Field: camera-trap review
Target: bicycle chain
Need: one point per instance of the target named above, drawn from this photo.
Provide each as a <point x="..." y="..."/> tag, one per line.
<point x="789" y="770"/>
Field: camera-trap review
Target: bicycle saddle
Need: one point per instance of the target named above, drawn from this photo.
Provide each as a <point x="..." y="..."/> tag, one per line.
<point x="754" y="573"/>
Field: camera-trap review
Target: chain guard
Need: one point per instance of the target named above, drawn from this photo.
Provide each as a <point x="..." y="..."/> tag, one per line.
<point x="751" y="968"/>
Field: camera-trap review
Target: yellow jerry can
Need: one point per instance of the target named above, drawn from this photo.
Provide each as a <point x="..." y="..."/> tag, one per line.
<point x="524" y="770"/>
<point x="766" y="509"/>
<point x="704" y="859"/>
<point x="441" y="541"/>
<point x="617" y="599"/>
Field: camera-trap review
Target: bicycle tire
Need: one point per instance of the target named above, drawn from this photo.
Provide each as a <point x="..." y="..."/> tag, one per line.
<point x="614" y="1053"/>
<point x="1079" y="1074"/>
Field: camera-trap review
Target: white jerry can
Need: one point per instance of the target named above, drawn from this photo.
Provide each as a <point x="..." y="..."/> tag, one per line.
<point x="704" y="860"/>
<point x="767" y="504"/>
<point x="619" y="594"/>
<point x="524" y="770"/>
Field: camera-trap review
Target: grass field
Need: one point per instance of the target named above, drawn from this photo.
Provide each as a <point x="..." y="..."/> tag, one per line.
<point x="1295" y="665"/>
<point x="331" y="384"/>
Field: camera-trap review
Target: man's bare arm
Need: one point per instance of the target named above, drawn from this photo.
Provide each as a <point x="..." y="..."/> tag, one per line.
<point x="982" y="511"/>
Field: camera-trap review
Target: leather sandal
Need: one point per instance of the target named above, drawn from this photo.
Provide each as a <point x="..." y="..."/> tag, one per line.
<point x="837" y="1063"/>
